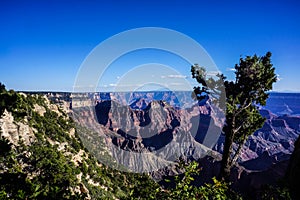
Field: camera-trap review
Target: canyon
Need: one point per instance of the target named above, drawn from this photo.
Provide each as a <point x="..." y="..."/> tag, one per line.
<point x="148" y="131"/>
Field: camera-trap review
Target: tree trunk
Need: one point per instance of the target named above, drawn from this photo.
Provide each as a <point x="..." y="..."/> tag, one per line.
<point x="225" y="163"/>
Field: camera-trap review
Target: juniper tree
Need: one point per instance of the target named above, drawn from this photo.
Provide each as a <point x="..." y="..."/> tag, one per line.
<point x="254" y="77"/>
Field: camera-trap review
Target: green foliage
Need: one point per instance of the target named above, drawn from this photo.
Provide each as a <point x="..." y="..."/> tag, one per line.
<point x="15" y="103"/>
<point x="14" y="185"/>
<point x="184" y="188"/>
<point x="212" y="86"/>
<point x="5" y="146"/>
<point x="38" y="171"/>
<point x="275" y="193"/>
<point x="254" y="78"/>
<point x="56" y="172"/>
<point x="218" y="190"/>
<point x="2" y="88"/>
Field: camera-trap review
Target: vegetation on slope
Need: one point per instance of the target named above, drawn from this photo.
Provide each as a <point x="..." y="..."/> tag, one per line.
<point x="56" y="165"/>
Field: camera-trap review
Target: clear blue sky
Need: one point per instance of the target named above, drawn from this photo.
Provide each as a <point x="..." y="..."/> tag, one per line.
<point x="43" y="43"/>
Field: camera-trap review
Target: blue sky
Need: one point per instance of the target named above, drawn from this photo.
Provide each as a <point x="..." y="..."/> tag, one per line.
<point x="43" y="43"/>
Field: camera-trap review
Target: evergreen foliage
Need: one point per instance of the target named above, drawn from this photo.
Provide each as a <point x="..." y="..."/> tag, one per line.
<point x="254" y="78"/>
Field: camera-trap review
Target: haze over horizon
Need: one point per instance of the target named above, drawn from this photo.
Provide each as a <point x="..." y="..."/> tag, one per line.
<point x="43" y="44"/>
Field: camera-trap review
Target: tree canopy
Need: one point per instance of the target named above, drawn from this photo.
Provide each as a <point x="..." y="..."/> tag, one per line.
<point x="254" y="77"/>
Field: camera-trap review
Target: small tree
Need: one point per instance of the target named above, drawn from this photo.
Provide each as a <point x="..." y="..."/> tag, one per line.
<point x="254" y="78"/>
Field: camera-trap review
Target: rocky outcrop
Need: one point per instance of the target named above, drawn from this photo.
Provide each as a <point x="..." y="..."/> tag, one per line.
<point x="16" y="131"/>
<point x="154" y="124"/>
<point x="39" y="109"/>
<point x="148" y="135"/>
